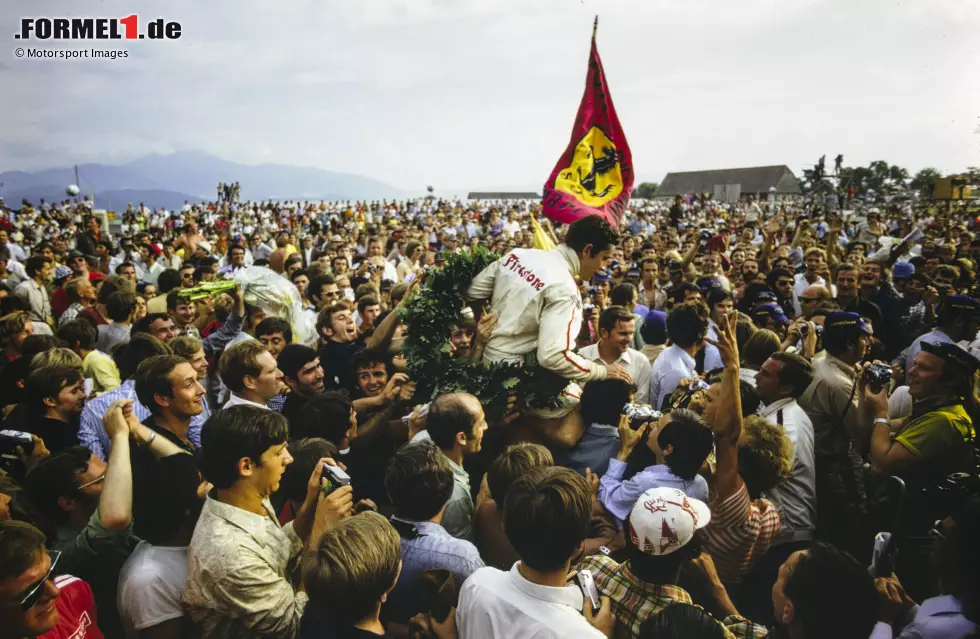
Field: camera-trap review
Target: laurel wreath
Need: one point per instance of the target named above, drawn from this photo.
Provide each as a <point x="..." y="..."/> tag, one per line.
<point x="430" y="317"/>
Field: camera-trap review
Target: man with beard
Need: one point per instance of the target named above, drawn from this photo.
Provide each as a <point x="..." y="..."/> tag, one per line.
<point x="56" y="396"/>
<point x="849" y="296"/>
<point x="780" y="281"/>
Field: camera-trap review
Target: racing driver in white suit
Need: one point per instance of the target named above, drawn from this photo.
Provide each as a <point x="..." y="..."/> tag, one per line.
<point x="539" y="308"/>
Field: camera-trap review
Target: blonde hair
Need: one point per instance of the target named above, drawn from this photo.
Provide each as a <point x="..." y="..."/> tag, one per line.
<point x="765" y="455"/>
<point x="355" y="564"/>
<point x="12" y="324"/>
<point x="56" y="357"/>
<point x="185" y="346"/>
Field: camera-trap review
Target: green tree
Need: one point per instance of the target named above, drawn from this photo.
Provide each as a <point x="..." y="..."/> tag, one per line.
<point x="645" y="190"/>
<point x="924" y="181"/>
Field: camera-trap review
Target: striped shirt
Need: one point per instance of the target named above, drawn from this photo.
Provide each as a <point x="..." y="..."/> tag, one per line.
<point x="739" y="533"/>
<point x="634" y="601"/>
<point x="91" y="432"/>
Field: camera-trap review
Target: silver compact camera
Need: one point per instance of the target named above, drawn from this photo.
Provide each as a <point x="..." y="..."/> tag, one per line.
<point x="640" y="414"/>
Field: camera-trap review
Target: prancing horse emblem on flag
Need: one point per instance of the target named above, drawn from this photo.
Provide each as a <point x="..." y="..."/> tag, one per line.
<point x="594" y="177"/>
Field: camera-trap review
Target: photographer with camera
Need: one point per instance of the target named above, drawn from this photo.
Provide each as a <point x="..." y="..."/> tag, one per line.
<point x="238" y="580"/>
<point x="839" y="427"/>
<point x="938" y="439"/>
<point x="677" y="445"/>
<point x="687" y="327"/>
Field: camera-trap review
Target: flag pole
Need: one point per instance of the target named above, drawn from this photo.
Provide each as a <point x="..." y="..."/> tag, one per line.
<point x="595" y="26"/>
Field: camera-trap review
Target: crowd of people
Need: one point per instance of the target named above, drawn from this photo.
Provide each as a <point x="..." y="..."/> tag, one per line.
<point x="757" y="391"/>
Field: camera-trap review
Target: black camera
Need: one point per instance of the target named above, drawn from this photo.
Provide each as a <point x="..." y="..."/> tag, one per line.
<point x="877" y="376"/>
<point x="11" y="440"/>
<point x="640" y="414"/>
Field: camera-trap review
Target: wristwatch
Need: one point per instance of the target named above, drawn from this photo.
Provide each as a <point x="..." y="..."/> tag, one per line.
<point x="883" y="420"/>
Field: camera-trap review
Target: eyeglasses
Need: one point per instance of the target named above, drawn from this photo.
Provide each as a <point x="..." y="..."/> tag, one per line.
<point x="936" y="530"/>
<point x="37" y="590"/>
<point x="98" y="479"/>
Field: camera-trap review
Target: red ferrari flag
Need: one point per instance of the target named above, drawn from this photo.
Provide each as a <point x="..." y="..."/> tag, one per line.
<point x="594" y="176"/>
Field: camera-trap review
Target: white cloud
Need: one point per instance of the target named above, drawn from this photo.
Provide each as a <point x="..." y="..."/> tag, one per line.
<point x="478" y="93"/>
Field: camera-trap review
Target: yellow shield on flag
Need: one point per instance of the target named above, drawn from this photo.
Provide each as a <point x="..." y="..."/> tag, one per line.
<point x="594" y="177"/>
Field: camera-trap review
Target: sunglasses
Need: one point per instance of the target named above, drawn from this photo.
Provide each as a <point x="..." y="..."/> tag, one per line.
<point x="37" y="590"/>
<point x="937" y="530"/>
<point x="809" y="299"/>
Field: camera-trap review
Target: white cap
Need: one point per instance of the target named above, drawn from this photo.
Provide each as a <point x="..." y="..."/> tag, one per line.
<point x="664" y="520"/>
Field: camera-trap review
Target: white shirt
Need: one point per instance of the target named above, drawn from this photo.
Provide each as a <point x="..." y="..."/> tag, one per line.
<point x="671" y="367"/>
<point x="235" y="400"/>
<point x="494" y="603"/>
<point x="800" y="284"/>
<point x="151" y="585"/>
<point x="539" y="307"/>
<point x="795" y="498"/>
<point x="634" y="362"/>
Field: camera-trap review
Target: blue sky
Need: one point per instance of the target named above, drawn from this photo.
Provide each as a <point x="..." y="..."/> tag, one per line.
<point x="483" y="93"/>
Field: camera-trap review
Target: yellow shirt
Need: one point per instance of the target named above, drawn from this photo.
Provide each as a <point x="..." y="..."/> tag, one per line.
<point x="102" y="370"/>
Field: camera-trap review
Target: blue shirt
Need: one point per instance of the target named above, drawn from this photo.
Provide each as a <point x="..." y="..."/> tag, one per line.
<point x="433" y="548"/>
<point x="92" y="435"/>
<point x="620" y="496"/>
<point x="937" y="618"/>
<point x="598" y="445"/>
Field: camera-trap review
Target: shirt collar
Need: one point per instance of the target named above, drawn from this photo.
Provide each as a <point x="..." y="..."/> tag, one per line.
<point x="571" y="257"/>
<point x="240" y="518"/>
<point x="682" y="354"/>
<point x="569" y="596"/>
<point x="929" y="404"/>
<point x="944" y="604"/>
<point x="237" y="400"/>
<point x="842" y="366"/>
<point x="459" y="474"/>
<point x="769" y="409"/>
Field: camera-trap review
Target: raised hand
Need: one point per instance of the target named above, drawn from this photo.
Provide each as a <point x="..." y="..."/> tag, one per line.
<point x="727" y="343"/>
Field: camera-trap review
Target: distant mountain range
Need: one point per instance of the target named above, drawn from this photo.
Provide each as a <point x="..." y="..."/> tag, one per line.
<point x="169" y="180"/>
